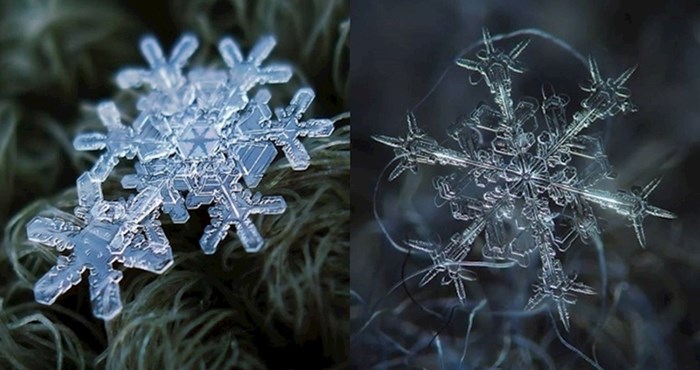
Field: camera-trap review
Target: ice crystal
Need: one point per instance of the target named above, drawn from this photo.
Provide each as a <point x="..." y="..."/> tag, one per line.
<point x="108" y="232"/>
<point x="533" y="198"/>
<point x="198" y="140"/>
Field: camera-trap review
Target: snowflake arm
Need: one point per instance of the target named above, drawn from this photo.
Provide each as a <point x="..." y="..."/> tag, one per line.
<point x="89" y="192"/>
<point x="556" y="286"/>
<point x="164" y="74"/>
<point x="448" y="261"/>
<point x="287" y="128"/>
<point x="631" y="204"/>
<point x="235" y="209"/>
<point x="53" y="232"/>
<point x="246" y="73"/>
<point x="495" y="67"/>
<point x="607" y="97"/>
<point x="118" y="142"/>
<point x="151" y="250"/>
<point x="403" y="147"/>
<point x="419" y="148"/>
<point x="218" y="182"/>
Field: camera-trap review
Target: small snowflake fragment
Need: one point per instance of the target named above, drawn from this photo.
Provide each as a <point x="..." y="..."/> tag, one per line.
<point x="197" y="140"/>
<point x="526" y="176"/>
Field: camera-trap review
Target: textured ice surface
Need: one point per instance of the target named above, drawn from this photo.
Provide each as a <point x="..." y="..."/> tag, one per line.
<point x="198" y="140"/>
<point x="529" y="188"/>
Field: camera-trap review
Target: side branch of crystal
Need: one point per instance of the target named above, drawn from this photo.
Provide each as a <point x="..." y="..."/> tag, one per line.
<point x="526" y="175"/>
<point x="198" y="140"/>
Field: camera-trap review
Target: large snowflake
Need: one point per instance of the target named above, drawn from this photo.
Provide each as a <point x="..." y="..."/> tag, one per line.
<point x="198" y="140"/>
<point x="533" y="199"/>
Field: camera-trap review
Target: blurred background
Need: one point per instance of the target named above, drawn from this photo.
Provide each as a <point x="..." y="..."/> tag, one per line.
<point x="645" y="313"/>
<point x="58" y="59"/>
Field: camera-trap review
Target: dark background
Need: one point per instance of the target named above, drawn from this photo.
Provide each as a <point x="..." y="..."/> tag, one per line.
<point x="400" y="50"/>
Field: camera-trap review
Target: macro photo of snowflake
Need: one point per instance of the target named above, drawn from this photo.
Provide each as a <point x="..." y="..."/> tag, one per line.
<point x="536" y="198"/>
<point x="175" y="184"/>
<point x="276" y="184"/>
<point x="198" y="140"/>
<point x="523" y="184"/>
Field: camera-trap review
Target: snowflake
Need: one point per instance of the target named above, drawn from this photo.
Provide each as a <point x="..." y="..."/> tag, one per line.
<point x="198" y="140"/>
<point x="107" y="232"/>
<point x="529" y="184"/>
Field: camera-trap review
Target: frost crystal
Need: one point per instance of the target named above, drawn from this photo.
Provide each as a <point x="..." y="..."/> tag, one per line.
<point x="531" y="187"/>
<point x="198" y="140"/>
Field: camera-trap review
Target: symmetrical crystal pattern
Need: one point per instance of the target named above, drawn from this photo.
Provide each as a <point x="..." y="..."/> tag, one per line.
<point x="534" y="197"/>
<point x="198" y="140"/>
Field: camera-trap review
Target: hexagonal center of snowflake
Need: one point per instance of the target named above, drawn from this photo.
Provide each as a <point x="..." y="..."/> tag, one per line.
<point x="526" y="173"/>
<point x="198" y="140"/>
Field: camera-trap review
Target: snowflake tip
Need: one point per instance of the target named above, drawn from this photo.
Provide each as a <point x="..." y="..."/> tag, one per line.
<point x="109" y="115"/>
<point x="300" y="102"/>
<point x="163" y="74"/>
<point x="230" y="52"/>
<point x="594" y="70"/>
<point x="52" y="232"/>
<point x="388" y="141"/>
<point x="89" y="191"/>
<point x="233" y="58"/>
<point x="400" y="168"/>
<point x="90" y="141"/>
<point x="52" y="285"/>
<point x="400" y="147"/>
<point x="469" y="64"/>
<point x="519" y="48"/>
<point x="152" y="52"/>
<point x="413" y="128"/>
<point x="261" y="50"/>
<point x="183" y="50"/>
<point x="639" y="231"/>
<point x="129" y="77"/>
<point x="430" y="275"/>
<point x="650" y="187"/>
<point x="625" y="76"/>
<point x="564" y="315"/>
<point x="105" y="294"/>
<point x="488" y="42"/>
